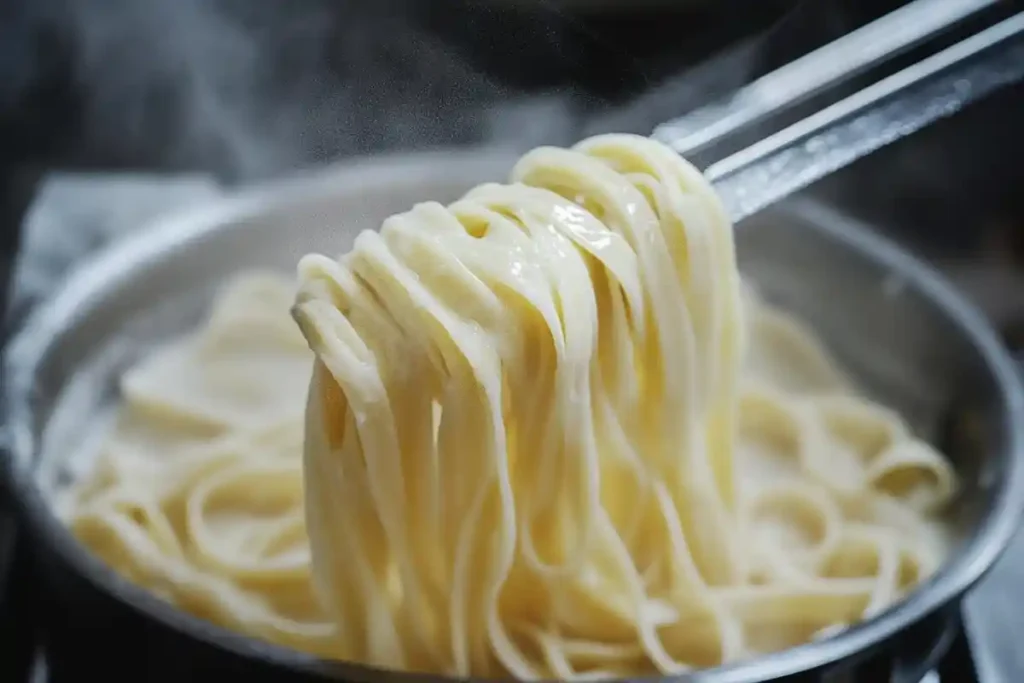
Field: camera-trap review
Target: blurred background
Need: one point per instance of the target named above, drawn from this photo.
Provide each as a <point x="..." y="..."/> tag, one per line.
<point x="250" y="89"/>
<point x="241" y="90"/>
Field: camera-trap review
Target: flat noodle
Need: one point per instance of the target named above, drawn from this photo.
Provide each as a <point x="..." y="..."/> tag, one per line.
<point x="198" y="493"/>
<point x="548" y="434"/>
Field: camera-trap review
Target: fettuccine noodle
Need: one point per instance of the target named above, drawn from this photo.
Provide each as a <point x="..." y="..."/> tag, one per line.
<point x="548" y="434"/>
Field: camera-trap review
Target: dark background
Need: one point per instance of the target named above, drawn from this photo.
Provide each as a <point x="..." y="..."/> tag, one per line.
<point x="252" y="88"/>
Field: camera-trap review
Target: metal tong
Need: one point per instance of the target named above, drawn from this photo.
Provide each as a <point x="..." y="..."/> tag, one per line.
<point x="836" y="135"/>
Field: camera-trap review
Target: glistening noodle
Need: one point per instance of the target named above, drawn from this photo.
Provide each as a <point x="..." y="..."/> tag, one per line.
<point x="549" y="433"/>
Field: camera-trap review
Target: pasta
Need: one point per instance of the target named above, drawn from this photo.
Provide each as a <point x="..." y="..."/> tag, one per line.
<point x="545" y="432"/>
<point x="521" y="445"/>
<point x="197" y="494"/>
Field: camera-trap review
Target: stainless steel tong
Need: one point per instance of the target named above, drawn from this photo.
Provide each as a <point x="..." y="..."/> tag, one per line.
<point x="838" y="134"/>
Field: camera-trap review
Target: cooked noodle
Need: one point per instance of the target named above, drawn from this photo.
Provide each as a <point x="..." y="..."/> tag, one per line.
<point x="547" y="434"/>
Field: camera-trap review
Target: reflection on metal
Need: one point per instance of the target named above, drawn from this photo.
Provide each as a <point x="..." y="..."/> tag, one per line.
<point x="887" y="111"/>
<point x="834" y="63"/>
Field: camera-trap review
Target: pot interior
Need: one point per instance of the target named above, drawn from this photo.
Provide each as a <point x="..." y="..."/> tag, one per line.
<point x="903" y="335"/>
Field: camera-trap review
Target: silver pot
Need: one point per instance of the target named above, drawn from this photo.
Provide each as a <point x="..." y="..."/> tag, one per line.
<point x="912" y="340"/>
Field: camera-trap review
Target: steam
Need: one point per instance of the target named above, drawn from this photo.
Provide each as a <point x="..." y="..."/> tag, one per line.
<point x="254" y="88"/>
<point x="250" y="89"/>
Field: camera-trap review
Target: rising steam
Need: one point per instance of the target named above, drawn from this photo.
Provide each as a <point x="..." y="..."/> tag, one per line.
<point x="252" y="88"/>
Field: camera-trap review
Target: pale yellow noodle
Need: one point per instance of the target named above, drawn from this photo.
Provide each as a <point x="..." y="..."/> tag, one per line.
<point x="547" y="433"/>
<point x="637" y="467"/>
<point x="198" y="491"/>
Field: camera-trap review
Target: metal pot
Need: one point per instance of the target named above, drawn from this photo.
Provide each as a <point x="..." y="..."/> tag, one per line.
<point x="912" y="340"/>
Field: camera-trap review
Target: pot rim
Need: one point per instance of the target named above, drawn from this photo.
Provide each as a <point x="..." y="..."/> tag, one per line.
<point x="117" y="263"/>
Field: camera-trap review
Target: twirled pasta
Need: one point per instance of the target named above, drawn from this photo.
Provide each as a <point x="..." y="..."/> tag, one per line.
<point x="521" y="439"/>
<point x="548" y="434"/>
